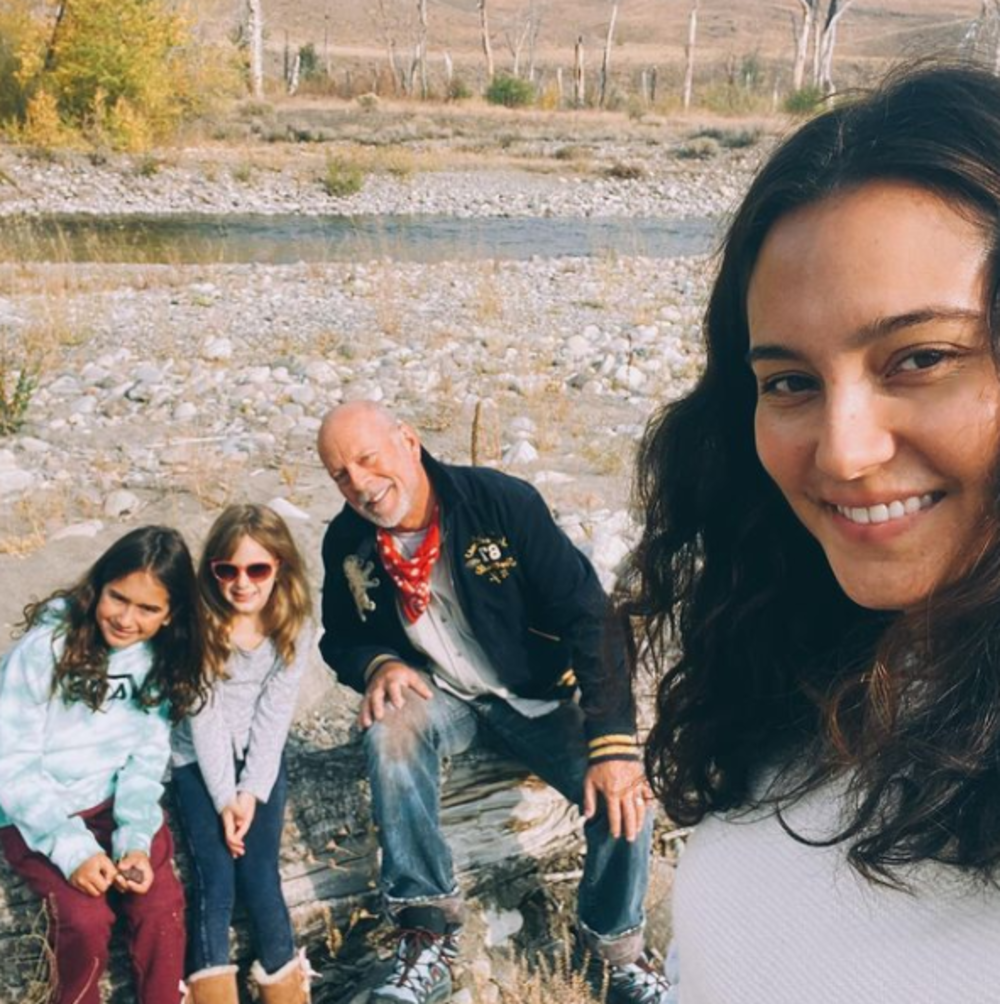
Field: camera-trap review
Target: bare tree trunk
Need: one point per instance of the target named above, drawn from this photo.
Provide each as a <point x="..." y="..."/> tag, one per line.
<point x="449" y="73"/>
<point x="536" y="24"/>
<point x="579" y="86"/>
<point x="606" y="62"/>
<point x="559" y="83"/>
<point x="384" y="23"/>
<point x="689" y="55"/>
<point x="421" y="51"/>
<point x="487" y="48"/>
<point x="50" y="52"/>
<point x="293" y="79"/>
<point x="836" y="10"/>
<point x="255" y="34"/>
<point x="515" y="42"/>
<point x="803" y="31"/>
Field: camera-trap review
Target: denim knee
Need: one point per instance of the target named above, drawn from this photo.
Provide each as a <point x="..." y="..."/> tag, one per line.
<point x="401" y="735"/>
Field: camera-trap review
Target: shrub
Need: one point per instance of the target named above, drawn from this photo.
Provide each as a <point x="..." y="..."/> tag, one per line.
<point x="511" y="92"/>
<point x="804" y="101"/>
<point x="17" y="386"/>
<point x="625" y="172"/>
<point x="43" y="128"/>
<point x="699" y="148"/>
<point x="310" y="67"/>
<point x="572" y="151"/>
<point x="731" y="139"/>
<point x="458" y="90"/>
<point x="342" y="178"/>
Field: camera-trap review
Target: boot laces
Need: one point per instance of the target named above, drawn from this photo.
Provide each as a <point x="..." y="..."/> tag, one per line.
<point x="418" y="953"/>
<point x="639" y="981"/>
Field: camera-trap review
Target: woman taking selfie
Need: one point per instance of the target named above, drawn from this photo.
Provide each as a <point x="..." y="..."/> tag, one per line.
<point x="822" y="546"/>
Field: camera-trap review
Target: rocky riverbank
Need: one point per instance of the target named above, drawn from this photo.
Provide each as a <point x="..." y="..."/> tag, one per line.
<point x="166" y="391"/>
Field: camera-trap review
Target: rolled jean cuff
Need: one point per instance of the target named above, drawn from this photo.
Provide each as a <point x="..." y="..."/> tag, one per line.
<point x="614" y="949"/>
<point x="450" y="904"/>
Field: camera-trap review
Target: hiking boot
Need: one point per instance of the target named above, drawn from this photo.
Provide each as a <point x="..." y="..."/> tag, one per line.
<point x="636" y="982"/>
<point x="426" y="947"/>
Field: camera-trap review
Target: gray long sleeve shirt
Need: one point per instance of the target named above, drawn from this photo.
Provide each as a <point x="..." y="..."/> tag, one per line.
<point x="245" y="722"/>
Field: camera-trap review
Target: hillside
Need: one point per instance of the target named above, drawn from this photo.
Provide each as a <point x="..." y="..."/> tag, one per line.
<point x="649" y="32"/>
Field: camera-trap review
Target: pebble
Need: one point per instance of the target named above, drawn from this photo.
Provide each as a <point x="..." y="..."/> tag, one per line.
<point x="121" y="503"/>
<point x="89" y="528"/>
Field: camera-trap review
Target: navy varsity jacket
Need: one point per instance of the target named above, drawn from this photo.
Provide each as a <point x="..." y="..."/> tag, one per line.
<point x="532" y="599"/>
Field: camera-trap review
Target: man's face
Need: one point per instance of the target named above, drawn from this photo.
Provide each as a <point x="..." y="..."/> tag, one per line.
<point x="376" y="465"/>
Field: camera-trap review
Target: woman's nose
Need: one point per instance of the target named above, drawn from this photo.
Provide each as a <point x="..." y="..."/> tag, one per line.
<point x="856" y="437"/>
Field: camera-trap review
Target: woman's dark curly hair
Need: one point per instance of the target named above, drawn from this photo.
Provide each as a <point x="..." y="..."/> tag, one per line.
<point x="176" y="675"/>
<point x="764" y="658"/>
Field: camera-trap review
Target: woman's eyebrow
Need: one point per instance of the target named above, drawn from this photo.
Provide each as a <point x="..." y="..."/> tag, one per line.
<point x="872" y="332"/>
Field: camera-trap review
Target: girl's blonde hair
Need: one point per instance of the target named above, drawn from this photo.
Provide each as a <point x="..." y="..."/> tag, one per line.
<point x="290" y="604"/>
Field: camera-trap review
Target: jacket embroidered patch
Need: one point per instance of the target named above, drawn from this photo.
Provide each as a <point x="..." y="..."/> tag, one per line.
<point x="359" y="580"/>
<point x="490" y="556"/>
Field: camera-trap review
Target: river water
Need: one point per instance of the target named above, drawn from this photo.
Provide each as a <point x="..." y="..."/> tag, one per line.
<point x="285" y="239"/>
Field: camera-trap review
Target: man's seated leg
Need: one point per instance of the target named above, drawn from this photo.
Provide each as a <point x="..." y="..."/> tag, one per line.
<point x="404" y="752"/>
<point x="609" y="944"/>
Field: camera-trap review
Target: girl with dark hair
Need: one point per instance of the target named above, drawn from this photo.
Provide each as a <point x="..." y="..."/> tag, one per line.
<point x="819" y="569"/>
<point x="87" y="696"/>
<point x="229" y="776"/>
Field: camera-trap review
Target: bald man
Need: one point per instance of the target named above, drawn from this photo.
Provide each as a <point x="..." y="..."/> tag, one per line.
<point x="460" y="611"/>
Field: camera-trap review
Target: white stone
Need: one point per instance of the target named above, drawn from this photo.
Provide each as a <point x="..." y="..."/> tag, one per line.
<point x="288" y="510"/>
<point x="147" y="373"/>
<point x="629" y="377"/>
<point x="321" y="372"/>
<point x="217" y="349"/>
<point x="8" y="462"/>
<point x="520" y="452"/>
<point x="553" y="478"/>
<point x="185" y="411"/>
<point x="89" y="528"/>
<point x="501" y="926"/>
<point x="31" y="445"/>
<point x="578" y="347"/>
<point x="64" y="386"/>
<point x="256" y="375"/>
<point x="13" y="481"/>
<point x="302" y="394"/>
<point x="84" y="406"/>
<point x="121" y="503"/>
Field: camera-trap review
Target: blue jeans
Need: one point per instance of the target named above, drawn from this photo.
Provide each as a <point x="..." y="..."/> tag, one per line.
<point x="219" y="878"/>
<point x="404" y="753"/>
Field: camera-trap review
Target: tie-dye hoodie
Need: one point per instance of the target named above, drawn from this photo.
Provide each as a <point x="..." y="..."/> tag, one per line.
<point x="57" y="759"/>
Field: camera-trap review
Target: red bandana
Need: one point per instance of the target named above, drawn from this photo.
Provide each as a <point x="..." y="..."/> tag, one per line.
<point x="412" y="575"/>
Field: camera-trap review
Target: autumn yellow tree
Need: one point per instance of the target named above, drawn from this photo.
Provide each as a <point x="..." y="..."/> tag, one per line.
<point x="122" y="72"/>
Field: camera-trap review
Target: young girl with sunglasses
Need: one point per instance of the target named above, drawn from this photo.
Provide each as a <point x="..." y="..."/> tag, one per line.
<point x="86" y="698"/>
<point x="229" y="777"/>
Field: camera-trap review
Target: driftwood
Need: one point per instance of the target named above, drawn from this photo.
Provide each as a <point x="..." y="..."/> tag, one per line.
<point x="496" y="817"/>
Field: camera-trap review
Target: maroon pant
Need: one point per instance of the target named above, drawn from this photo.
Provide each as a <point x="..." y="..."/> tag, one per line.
<point x="80" y="925"/>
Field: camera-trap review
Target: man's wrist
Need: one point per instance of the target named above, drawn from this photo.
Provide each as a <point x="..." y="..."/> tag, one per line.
<point x="618" y="746"/>
<point x="376" y="664"/>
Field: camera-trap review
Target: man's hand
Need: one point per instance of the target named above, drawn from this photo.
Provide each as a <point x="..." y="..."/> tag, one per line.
<point x="622" y="785"/>
<point x="134" y="863"/>
<point x="393" y="682"/>
<point x="95" y="876"/>
<point x="236" y="820"/>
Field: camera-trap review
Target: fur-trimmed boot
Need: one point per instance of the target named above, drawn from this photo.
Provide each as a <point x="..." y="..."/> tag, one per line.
<point x="289" y="985"/>
<point x="216" y="985"/>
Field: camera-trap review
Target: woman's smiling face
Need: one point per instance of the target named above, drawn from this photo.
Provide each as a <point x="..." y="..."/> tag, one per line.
<point x="878" y="397"/>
